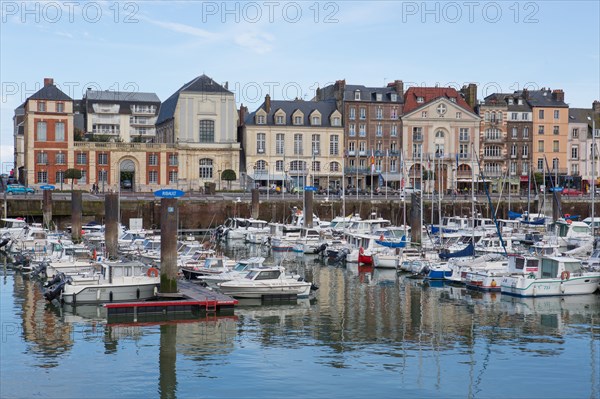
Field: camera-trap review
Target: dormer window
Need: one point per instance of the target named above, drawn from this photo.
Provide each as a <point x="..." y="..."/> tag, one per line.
<point x="316" y="121"/>
<point x="520" y="101"/>
<point x="279" y="119"/>
<point x="336" y="121"/>
<point x="453" y="99"/>
<point x="379" y="97"/>
<point x="510" y="101"/>
<point x="357" y="95"/>
<point x="297" y="120"/>
<point x="394" y="97"/>
<point x="420" y="100"/>
<point x="260" y="119"/>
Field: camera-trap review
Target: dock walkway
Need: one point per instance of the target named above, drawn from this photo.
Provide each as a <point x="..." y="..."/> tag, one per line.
<point x="191" y="297"/>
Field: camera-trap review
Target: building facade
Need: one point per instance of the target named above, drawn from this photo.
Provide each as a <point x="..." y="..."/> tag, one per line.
<point x="48" y="137"/>
<point x="293" y="144"/>
<point x="120" y="116"/>
<point x="550" y="116"/>
<point x="200" y="120"/>
<point x="372" y="132"/>
<point x="440" y="133"/>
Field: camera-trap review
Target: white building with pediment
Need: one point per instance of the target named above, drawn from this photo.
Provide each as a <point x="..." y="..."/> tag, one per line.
<point x="440" y="132"/>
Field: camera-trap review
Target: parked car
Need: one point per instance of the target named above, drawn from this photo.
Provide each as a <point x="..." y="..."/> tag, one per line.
<point x="571" y="191"/>
<point x="18" y="189"/>
<point x="126" y="184"/>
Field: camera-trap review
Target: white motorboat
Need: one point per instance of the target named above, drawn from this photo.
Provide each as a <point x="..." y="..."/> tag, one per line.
<point x="107" y="282"/>
<point x="240" y="270"/>
<point x="265" y="282"/>
<point x="548" y="275"/>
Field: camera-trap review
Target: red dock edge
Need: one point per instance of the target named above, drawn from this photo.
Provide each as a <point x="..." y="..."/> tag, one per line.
<point x="209" y="305"/>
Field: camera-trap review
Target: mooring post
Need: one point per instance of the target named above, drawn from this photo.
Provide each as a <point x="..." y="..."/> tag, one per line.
<point x="255" y="204"/>
<point x="415" y="218"/>
<point x="111" y="229"/>
<point x="76" y="216"/>
<point x="556" y="205"/>
<point x="308" y="208"/>
<point x="168" y="245"/>
<point x="47" y="208"/>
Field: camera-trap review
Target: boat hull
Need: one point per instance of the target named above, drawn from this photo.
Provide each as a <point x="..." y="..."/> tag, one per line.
<point x="531" y="287"/>
<point x="109" y="293"/>
<point x="301" y="290"/>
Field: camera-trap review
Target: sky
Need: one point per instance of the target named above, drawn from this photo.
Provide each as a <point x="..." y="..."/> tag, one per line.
<point x="288" y="49"/>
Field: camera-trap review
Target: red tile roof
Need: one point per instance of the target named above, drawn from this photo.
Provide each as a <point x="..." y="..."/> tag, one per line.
<point x="429" y="94"/>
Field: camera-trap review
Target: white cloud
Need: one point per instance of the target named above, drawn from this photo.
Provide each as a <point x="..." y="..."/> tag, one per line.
<point x="258" y="42"/>
<point x="183" y="28"/>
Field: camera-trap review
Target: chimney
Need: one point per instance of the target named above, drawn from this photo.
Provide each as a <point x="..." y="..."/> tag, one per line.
<point x="48" y="82"/>
<point x="267" y="103"/>
<point x="319" y="94"/>
<point x="558" y="95"/>
<point x="242" y="114"/>
<point x="470" y="94"/>
<point x="399" y="85"/>
<point x="526" y="94"/>
<point x="226" y="85"/>
<point x="338" y="89"/>
<point x="596" y="107"/>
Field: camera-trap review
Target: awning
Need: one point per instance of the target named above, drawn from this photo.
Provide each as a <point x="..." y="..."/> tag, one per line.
<point x="524" y="178"/>
<point x="392" y="176"/>
<point x="267" y="176"/>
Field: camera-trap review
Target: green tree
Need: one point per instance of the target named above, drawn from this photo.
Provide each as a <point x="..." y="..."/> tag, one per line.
<point x="73" y="174"/>
<point x="228" y="175"/>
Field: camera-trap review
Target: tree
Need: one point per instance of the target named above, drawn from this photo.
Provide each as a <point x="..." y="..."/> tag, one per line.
<point x="73" y="174"/>
<point x="228" y="175"/>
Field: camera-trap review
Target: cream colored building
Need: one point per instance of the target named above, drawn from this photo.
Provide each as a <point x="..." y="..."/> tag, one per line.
<point x="294" y="144"/>
<point x="200" y="120"/>
<point x="440" y="131"/>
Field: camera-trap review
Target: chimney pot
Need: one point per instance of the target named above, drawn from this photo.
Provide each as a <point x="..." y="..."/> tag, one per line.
<point x="48" y="81"/>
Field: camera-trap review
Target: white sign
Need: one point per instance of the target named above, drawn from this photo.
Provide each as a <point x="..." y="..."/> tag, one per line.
<point x="136" y="224"/>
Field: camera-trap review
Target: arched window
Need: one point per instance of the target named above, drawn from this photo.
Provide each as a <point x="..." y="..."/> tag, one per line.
<point x="439" y="134"/>
<point x="334" y="166"/>
<point x="260" y="166"/>
<point x="206" y="168"/>
<point x="298" y="166"/>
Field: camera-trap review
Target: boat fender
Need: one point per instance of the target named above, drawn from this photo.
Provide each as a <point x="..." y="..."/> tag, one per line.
<point x="137" y="293"/>
<point x="493" y="283"/>
<point x="152" y="272"/>
<point x="110" y="296"/>
<point x="569" y="221"/>
<point x="565" y="275"/>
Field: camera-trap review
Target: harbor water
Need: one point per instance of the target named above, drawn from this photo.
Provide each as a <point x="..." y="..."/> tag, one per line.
<point x="367" y="333"/>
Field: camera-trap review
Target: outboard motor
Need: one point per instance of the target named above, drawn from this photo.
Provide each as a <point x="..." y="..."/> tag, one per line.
<point x="314" y="287"/>
<point x="322" y="248"/>
<point x="56" y="287"/>
<point x="41" y="268"/>
<point x="342" y="254"/>
<point x="4" y="242"/>
<point x="56" y="279"/>
<point x="54" y="291"/>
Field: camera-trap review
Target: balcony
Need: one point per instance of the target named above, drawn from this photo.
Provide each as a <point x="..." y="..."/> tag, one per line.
<point x="113" y="132"/>
<point x="143" y="110"/>
<point x="106" y="120"/>
<point x="464" y="174"/>
<point x="494" y="138"/>
<point x="496" y="157"/>
<point x="355" y="170"/>
<point x="362" y="153"/>
<point x="135" y="120"/>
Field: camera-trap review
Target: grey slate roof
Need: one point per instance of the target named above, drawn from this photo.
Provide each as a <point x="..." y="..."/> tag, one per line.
<point x="121" y="96"/>
<point x="200" y="84"/>
<point x="326" y="108"/>
<point x="580" y="115"/>
<point x="369" y="93"/>
<point x="542" y="98"/>
<point x="50" y="92"/>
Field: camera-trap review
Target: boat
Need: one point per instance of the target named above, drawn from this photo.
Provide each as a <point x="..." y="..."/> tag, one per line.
<point x="548" y="275"/>
<point x="106" y="282"/>
<point x="237" y="272"/>
<point x="267" y="282"/>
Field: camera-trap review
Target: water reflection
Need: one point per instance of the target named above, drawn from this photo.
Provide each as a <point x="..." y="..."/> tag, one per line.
<point x="419" y="338"/>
